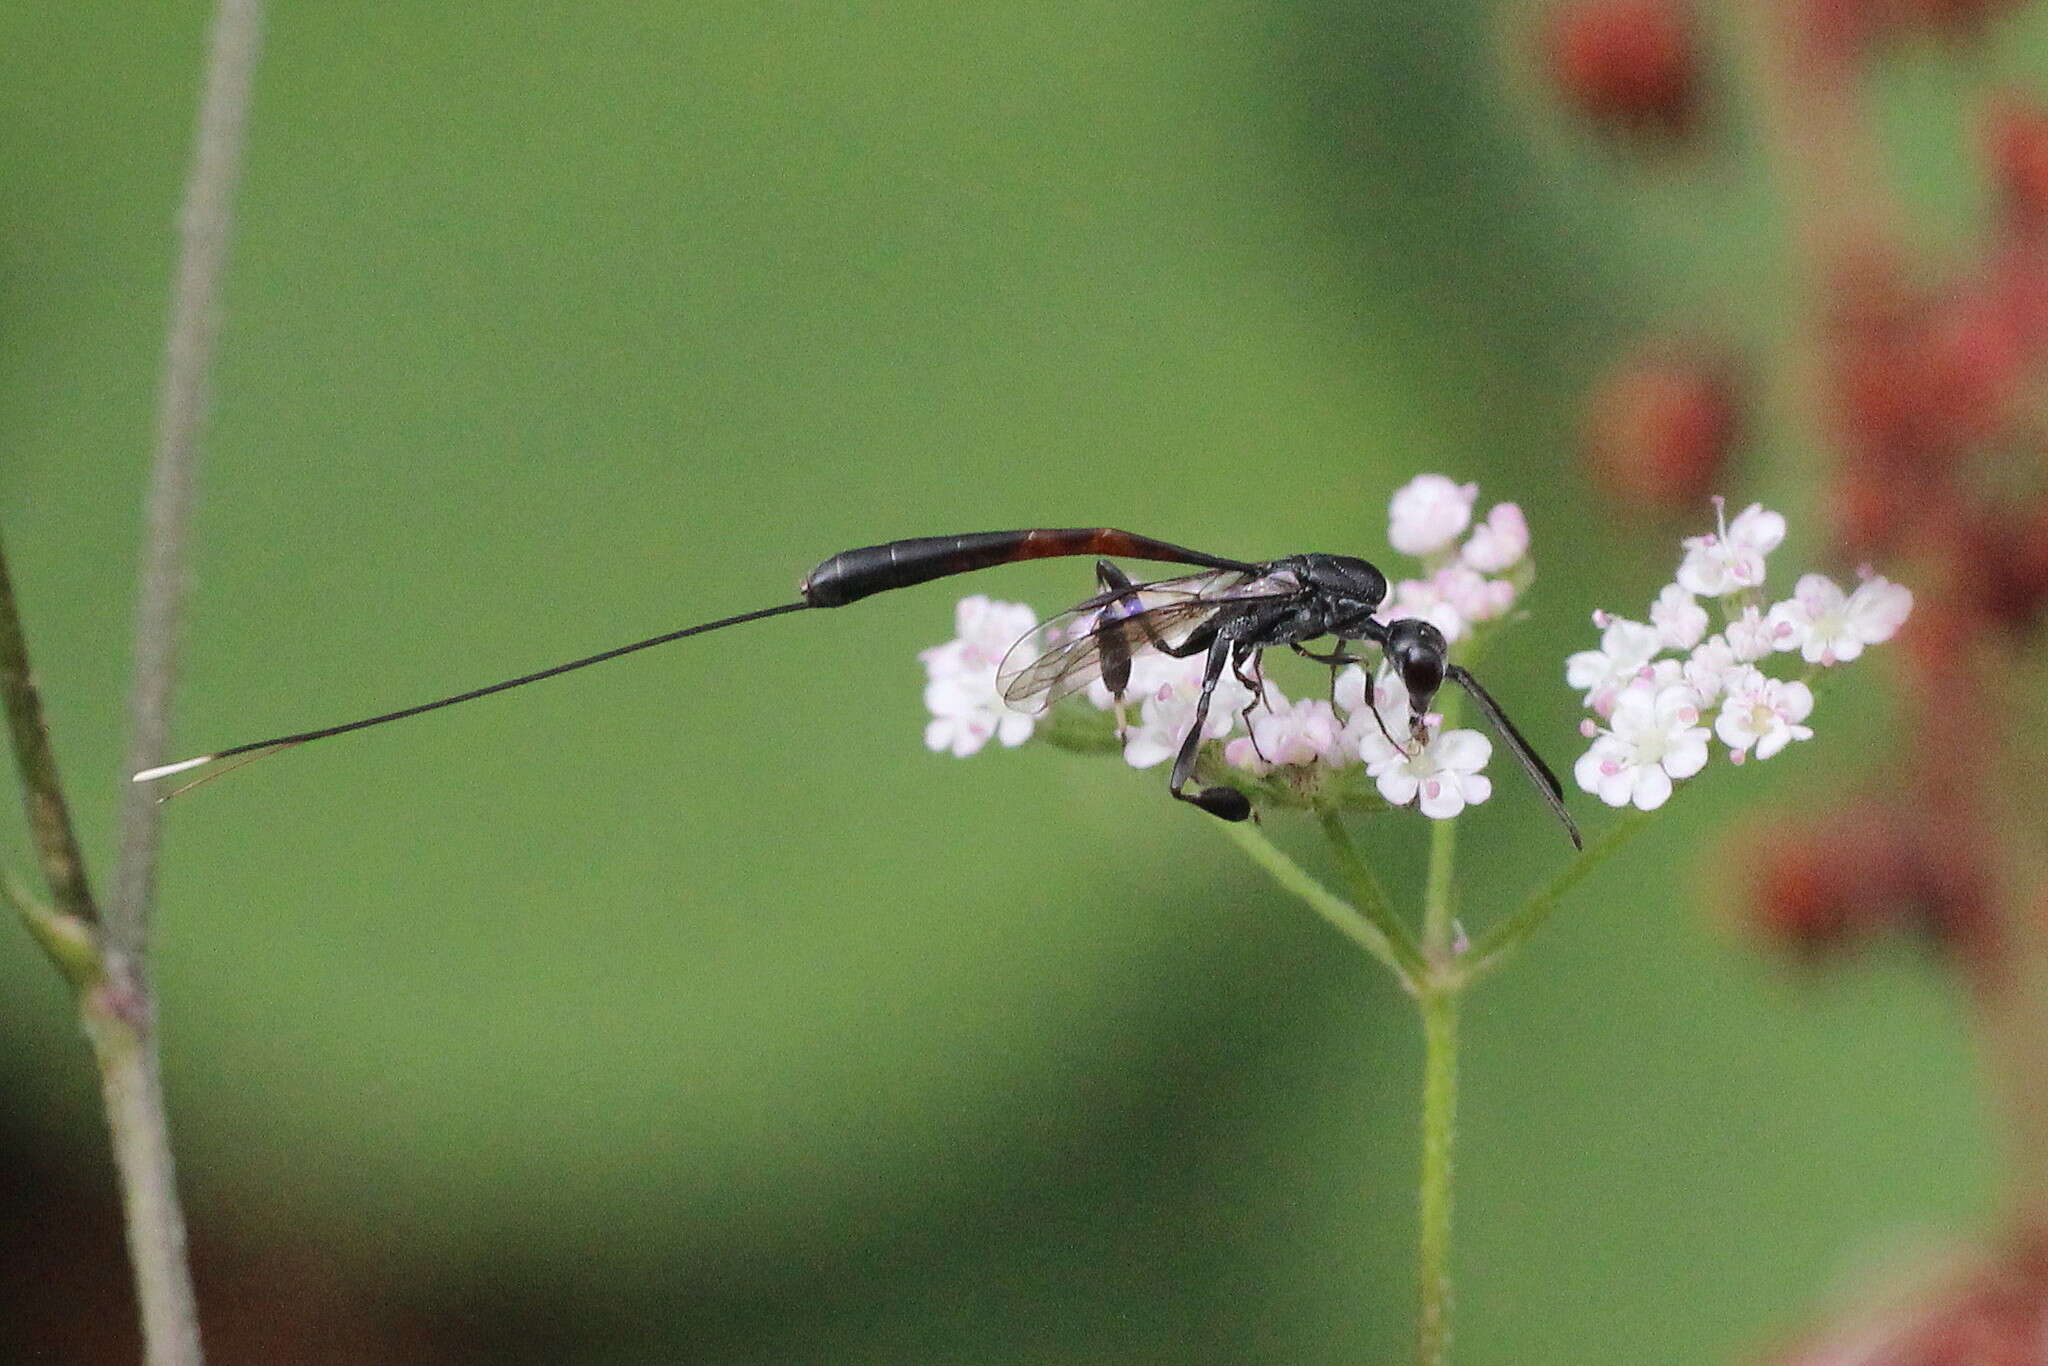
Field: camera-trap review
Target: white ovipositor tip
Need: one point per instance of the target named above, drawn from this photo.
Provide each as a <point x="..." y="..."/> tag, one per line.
<point x="149" y="774"/>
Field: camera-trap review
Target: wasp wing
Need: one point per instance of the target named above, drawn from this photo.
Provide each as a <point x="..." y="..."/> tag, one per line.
<point x="1111" y="626"/>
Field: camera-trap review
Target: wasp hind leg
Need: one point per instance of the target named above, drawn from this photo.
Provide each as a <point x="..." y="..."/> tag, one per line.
<point x="1225" y="803"/>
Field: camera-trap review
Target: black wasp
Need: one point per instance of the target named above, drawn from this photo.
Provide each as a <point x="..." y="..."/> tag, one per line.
<point x="1229" y="614"/>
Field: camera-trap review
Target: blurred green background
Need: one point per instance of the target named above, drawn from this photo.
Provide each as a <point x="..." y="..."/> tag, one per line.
<point x="687" y="1010"/>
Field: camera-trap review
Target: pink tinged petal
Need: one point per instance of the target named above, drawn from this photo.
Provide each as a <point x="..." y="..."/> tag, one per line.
<point x="1772" y="741"/>
<point x="1467" y="593"/>
<point x="1795" y="701"/>
<point x="1586" y="771"/>
<point x="963" y="735"/>
<point x="1676" y="705"/>
<point x="1241" y="753"/>
<point x="1686" y="756"/>
<point x="1397" y="785"/>
<point x="966" y="614"/>
<point x="940" y="659"/>
<point x="1706" y="672"/>
<point x="1427" y="513"/>
<point x="1651" y="790"/>
<point x="1586" y="669"/>
<point x="1749" y="635"/>
<point x="1499" y="542"/>
<point x="1877" y="609"/>
<point x="1441" y="799"/>
<point x="1680" y="621"/>
<point x="1617" y="788"/>
<point x="1789" y="625"/>
<point x="1732" y="730"/>
<point x="1464" y="751"/>
<point x="1144" y="750"/>
<point x="1758" y="529"/>
<point x="1704" y="573"/>
<point x="1818" y="594"/>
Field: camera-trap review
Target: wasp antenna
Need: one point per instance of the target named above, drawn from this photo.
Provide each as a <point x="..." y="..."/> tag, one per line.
<point x="150" y="775"/>
<point x="1545" y="781"/>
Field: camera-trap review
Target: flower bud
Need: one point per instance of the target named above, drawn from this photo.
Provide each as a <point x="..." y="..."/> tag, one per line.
<point x="1630" y="66"/>
<point x="1659" y="429"/>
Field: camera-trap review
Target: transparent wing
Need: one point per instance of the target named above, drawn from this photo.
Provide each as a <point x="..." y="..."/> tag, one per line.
<point x="1110" y="627"/>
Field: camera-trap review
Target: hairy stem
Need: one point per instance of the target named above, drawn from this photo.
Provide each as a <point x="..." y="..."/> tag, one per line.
<point x="194" y="325"/>
<point x="120" y="1015"/>
<point x="1341" y="914"/>
<point x="1368" y="895"/>
<point x="1439" y="902"/>
<point x="1439" y="1120"/>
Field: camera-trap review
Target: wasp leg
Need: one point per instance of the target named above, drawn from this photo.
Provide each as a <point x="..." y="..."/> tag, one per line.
<point x="1257" y="683"/>
<point x="1117" y="646"/>
<point x="1336" y="659"/>
<point x="1226" y="803"/>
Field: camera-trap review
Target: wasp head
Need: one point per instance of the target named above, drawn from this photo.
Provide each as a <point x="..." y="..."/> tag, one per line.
<point x="1420" y="655"/>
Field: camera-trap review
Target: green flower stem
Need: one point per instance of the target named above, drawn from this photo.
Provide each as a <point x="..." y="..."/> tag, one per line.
<point x="49" y="816"/>
<point x="1439" y="1116"/>
<point x="1438" y="1001"/>
<point x="1439" y="904"/>
<point x="1369" y="896"/>
<point x="72" y="944"/>
<point x="1341" y="914"/>
<point x="1503" y="939"/>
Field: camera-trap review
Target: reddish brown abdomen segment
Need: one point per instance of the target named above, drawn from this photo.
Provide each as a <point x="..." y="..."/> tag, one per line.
<point x="852" y="575"/>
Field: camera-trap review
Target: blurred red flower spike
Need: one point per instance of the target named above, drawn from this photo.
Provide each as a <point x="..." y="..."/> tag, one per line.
<point x="1660" y="426"/>
<point x="1989" y="1314"/>
<point x="1824" y="885"/>
<point x="1628" y="66"/>
<point x="1954" y="18"/>
<point x="2016" y="148"/>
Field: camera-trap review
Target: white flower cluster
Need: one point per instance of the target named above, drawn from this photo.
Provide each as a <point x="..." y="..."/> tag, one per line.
<point x="1660" y="708"/>
<point x="1455" y="591"/>
<point x="1459" y="586"/>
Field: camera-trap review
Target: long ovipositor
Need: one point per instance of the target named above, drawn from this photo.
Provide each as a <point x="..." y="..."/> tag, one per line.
<point x="846" y="577"/>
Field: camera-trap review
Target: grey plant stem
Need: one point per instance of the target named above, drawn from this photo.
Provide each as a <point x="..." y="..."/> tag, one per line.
<point x="119" y="1019"/>
<point x="120" y="1014"/>
<point x="204" y="222"/>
